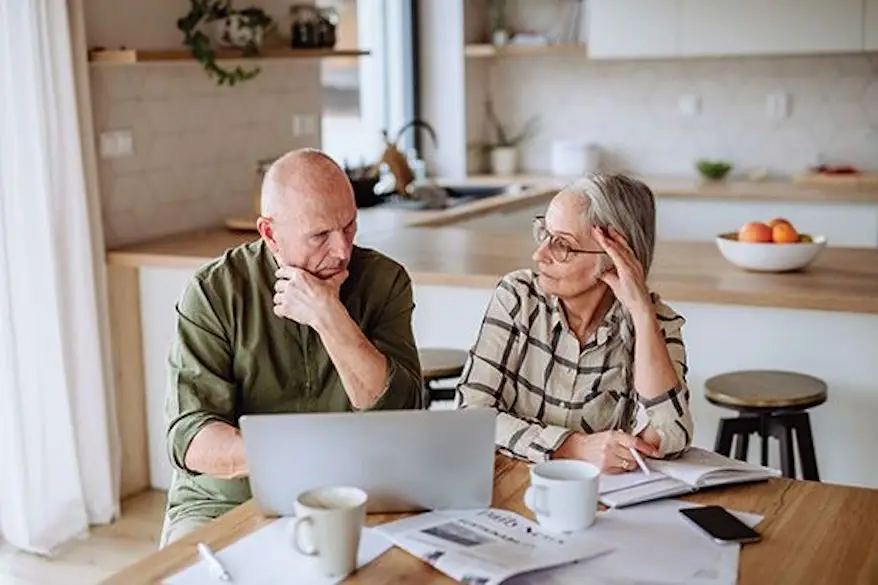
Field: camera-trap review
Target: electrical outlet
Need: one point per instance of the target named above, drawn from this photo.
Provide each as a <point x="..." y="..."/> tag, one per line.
<point x="689" y="104"/>
<point x="777" y="105"/>
<point x="304" y="125"/>
<point x="116" y="144"/>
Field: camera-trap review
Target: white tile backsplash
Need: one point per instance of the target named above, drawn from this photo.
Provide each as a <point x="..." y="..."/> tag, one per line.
<point x="629" y="108"/>
<point x="196" y="145"/>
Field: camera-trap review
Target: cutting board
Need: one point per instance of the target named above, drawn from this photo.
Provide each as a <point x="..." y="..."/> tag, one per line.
<point x="856" y="181"/>
<point x="247" y="224"/>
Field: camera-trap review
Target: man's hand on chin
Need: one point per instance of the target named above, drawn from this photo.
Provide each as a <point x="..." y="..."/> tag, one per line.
<point x="306" y="298"/>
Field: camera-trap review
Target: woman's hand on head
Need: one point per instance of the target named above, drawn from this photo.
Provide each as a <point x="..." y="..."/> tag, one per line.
<point x="627" y="279"/>
<point x="610" y="451"/>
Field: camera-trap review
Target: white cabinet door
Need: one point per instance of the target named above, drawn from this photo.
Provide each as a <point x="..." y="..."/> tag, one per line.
<point x="633" y="28"/>
<point x="871" y="26"/>
<point x="757" y="27"/>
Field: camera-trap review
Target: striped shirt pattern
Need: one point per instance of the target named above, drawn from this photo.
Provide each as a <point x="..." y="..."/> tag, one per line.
<point x="529" y="366"/>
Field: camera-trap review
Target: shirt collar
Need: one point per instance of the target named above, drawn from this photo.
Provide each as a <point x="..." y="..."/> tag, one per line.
<point x="606" y="329"/>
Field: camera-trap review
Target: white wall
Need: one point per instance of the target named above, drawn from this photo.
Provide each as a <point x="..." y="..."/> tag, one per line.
<point x="196" y="145"/>
<point x="629" y="108"/>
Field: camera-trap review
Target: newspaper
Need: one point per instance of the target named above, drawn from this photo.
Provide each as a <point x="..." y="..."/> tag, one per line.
<point x="486" y="547"/>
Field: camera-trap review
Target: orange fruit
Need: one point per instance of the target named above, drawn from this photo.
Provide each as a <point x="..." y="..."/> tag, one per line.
<point x="755" y="232"/>
<point x="784" y="233"/>
<point x="778" y="221"/>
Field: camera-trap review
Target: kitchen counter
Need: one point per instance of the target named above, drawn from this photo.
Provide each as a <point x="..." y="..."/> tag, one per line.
<point x="531" y="189"/>
<point x="841" y="279"/>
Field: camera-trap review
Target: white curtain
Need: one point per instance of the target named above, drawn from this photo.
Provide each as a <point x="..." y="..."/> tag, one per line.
<point x="56" y="461"/>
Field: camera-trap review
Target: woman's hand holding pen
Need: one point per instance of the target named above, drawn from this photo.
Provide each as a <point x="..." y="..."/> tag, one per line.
<point x="610" y="451"/>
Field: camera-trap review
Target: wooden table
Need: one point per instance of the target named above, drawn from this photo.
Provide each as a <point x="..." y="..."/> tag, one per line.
<point x="812" y="533"/>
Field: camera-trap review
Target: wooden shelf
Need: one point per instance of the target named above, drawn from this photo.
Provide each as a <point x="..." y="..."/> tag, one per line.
<point x="492" y="51"/>
<point x="131" y="56"/>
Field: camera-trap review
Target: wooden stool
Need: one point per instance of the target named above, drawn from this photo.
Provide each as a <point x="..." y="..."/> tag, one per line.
<point x="770" y="404"/>
<point x="440" y="364"/>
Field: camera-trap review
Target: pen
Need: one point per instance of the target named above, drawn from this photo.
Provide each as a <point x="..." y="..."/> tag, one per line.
<point x="217" y="571"/>
<point x="640" y="462"/>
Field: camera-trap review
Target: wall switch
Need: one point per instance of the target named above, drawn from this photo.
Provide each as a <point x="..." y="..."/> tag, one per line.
<point x="689" y="104"/>
<point x="304" y="125"/>
<point x="116" y="144"/>
<point x="777" y="105"/>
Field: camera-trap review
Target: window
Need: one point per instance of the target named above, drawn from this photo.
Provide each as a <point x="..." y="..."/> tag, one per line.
<point x="365" y="95"/>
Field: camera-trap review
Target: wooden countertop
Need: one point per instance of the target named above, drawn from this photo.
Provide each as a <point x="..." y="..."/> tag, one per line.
<point x="842" y="279"/>
<point x="694" y="188"/>
<point x="811" y="533"/>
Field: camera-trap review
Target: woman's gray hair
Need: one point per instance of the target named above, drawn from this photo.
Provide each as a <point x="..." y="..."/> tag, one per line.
<point x="628" y="206"/>
<point x="625" y="204"/>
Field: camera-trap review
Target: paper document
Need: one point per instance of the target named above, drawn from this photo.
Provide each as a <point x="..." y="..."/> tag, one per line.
<point x="486" y="547"/>
<point x="266" y="557"/>
<point x="695" y="469"/>
<point x="653" y="545"/>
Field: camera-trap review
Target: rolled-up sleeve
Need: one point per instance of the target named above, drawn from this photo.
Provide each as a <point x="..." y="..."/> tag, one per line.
<point x="200" y="388"/>
<point x="489" y="374"/>
<point x="392" y="335"/>
<point x="669" y="413"/>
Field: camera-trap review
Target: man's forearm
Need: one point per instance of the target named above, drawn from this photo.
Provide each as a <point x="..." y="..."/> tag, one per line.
<point x="654" y="372"/>
<point x="217" y="450"/>
<point x="361" y="367"/>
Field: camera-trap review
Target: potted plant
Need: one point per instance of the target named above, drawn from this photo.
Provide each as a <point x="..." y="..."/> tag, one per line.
<point x="504" y="149"/>
<point x="240" y="29"/>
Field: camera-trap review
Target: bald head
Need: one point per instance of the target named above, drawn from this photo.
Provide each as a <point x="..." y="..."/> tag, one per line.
<point x="298" y="179"/>
<point x="309" y="215"/>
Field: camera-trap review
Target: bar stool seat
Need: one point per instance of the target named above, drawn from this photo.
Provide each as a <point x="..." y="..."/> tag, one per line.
<point x="770" y="403"/>
<point x="440" y="364"/>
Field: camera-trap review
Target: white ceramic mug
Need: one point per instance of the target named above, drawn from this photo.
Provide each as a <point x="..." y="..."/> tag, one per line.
<point x="563" y="494"/>
<point x="327" y="527"/>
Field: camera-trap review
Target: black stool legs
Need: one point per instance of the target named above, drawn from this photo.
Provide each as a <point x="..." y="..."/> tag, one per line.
<point x="779" y="425"/>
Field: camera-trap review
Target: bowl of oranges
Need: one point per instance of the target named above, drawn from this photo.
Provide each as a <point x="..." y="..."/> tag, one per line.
<point x="774" y="246"/>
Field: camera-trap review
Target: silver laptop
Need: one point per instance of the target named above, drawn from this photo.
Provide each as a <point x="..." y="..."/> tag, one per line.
<point x="405" y="460"/>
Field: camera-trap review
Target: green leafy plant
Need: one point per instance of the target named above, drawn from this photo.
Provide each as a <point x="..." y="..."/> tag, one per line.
<point x="713" y="170"/>
<point x="204" y="11"/>
<point x="505" y="138"/>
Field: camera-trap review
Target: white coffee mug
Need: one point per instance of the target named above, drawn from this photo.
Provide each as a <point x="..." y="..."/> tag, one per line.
<point x="563" y="494"/>
<point x="327" y="527"/>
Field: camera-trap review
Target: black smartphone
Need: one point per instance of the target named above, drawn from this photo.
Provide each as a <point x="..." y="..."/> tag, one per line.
<point x="720" y="524"/>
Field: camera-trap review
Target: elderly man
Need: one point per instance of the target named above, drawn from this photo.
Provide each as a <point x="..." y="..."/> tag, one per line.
<point x="300" y="320"/>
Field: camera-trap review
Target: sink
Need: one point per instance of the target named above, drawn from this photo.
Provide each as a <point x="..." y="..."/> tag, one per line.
<point x="474" y="192"/>
<point x="461" y="194"/>
<point x="482" y="191"/>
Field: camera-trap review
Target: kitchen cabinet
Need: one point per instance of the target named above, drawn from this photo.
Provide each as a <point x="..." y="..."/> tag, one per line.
<point x="870" y="27"/>
<point x="756" y="27"/>
<point x="633" y="28"/>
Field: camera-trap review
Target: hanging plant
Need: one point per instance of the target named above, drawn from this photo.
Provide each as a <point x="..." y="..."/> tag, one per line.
<point x="241" y="29"/>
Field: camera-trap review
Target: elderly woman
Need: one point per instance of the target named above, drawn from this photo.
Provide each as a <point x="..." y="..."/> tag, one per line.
<point x="578" y="358"/>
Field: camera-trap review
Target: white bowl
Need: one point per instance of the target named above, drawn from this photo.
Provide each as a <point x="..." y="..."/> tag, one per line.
<point x="769" y="257"/>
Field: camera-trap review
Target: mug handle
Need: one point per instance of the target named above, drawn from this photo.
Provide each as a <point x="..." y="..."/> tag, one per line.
<point x="534" y="496"/>
<point x="309" y="550"/>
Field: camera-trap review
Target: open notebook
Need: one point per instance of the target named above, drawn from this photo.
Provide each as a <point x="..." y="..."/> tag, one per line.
<point x="695" y="470"/>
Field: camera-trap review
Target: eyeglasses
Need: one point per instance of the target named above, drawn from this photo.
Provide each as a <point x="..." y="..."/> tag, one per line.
<point x="558" y="248"/>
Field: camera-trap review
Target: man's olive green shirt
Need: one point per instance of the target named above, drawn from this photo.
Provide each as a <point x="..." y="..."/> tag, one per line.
<point x="233" y="356"/>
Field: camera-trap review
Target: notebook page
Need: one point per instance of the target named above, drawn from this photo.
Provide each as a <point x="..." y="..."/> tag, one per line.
<point x="615" y="482"/>
<point x="697" y="466"/>
<point x="646" y="492"/>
